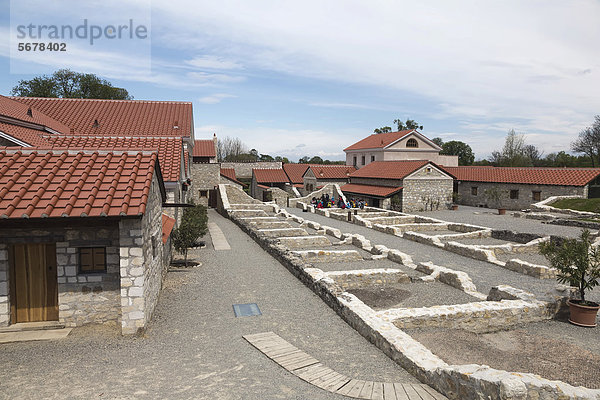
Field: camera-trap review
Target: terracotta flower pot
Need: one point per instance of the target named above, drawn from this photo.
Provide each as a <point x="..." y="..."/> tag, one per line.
<point x="501" y="211"/>
<point x="454" y="207"/>
<point x="582" y="315"/>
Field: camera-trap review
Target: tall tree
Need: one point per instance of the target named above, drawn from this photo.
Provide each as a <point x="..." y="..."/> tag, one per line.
<point x="438" y="141"/>
<point x="228" y="148"/>
<point x="460" y="149"/>
<point x="513" y="153"/>
<point x="588" y="141"/>
<point x="409" y="124"/>
<point x="69" y="84"/>
<point x="383" y="129"/>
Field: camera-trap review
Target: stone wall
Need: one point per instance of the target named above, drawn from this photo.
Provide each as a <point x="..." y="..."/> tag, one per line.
<point x="423" y="192"/>
<point x="525" y="195"/>
<point x="244" y="170"/>
<point x="142" y="268"/>
<point x="204" y="177"/>
<point x="82" y="297"/>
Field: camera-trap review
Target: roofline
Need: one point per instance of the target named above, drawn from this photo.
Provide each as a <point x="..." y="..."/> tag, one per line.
<point x="101" y="100"/>
<point x="411" y="172"/>
<point x="372" y="195"/>
<point x="421" y="136"/>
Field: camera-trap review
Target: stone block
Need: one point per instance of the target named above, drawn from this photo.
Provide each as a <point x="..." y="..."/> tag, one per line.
<point x="136" y="252"/>
<point x="3" y="308"/>
<point x="136" y="315"/>
<point x="70" y="271"/>
<point x="136" y="291"/>
<point x="136" y="261"/>
<point x="136" y="271"/>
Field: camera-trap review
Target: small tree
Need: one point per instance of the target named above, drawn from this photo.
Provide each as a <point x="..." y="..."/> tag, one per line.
<point x="577" y="262"/>
<point x="193" y="225"/>
<point x="493" y="196"/>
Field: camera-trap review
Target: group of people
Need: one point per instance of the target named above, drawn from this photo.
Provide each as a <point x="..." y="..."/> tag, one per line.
<point x="329" y="202"/>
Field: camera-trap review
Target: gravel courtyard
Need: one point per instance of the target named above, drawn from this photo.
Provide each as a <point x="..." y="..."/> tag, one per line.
<point x="194" y="348"/>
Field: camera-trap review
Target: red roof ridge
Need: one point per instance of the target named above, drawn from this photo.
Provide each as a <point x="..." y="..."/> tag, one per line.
<point x="102" y="100"/>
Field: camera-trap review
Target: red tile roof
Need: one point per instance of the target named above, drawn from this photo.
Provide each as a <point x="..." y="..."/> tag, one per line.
<point x="378" y="140"/>
<point x="45" y="183"/>
<point x="265" y="175"/>
<point x="116" y="117"/>
<point x="11" y="109"/>
<point x="332" y="171"/>
<point x="371" y="190"/>
<point x="167" y="226"/>
<point x="526" y="175"/>
<point x="32" y="137"/>
<point x="204" y="148"/>
<point x="389" y="169"/>
<point x="295" y="171"/>
<point x="229" y="173"/>
<point x="169" y="148"/>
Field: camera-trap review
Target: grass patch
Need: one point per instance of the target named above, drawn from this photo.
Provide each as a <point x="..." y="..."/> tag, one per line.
<point x="590" y="205"/>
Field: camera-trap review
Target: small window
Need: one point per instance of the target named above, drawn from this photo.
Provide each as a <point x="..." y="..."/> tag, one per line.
<point x="362" y="160"/>
<point x="514" y="194"/>
<point x="412" y="142"/>
<point x="372" y="158"/>
<point x="536" y="195"/>
<point x="92" y="259"/>
<point x="204" y="193"/>
<point x="474" y="191"/>
<point x="354" y="163"/>
<point x="428" y="170"/>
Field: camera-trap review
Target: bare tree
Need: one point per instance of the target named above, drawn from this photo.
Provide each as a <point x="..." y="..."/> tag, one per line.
<point x="514" y="152"/>
<point x="229" y="148"/>
<point x="588" y="141"/>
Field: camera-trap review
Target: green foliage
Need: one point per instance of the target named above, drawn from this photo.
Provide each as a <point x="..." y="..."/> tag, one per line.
<point x="383" y="129"/>
<point x="194" y="223"/>
<point x="69" y="84"/>
<point x="409" y="124"/>
<point x="493" y="196"/>
<point x="577" y="262"/>
<point x="589" y="205"/>
<point x="438" y="141"/>
<point x="460" y="149"/>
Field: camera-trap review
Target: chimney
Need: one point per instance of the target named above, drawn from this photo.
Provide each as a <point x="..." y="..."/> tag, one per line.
<point x="215" y="142"/>
<point x="95" y="124"/>
<point x="29" y="112"/>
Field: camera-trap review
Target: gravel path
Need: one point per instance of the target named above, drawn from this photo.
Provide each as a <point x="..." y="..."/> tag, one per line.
<point x="483" y="274"/>
<point x="490" y="218"/>
<point x="193" y="348"/>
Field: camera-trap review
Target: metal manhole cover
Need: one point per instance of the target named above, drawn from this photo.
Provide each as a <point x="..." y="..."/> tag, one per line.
<point x="246" y="310"/>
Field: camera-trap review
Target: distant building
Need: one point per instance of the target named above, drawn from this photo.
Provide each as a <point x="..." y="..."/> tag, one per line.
<point x="317" y="176"/>
<point x="206" y="172"/>
<point x="401" y="185"/>
<point x="396" y="146"/>
<point x="519" y="187"/>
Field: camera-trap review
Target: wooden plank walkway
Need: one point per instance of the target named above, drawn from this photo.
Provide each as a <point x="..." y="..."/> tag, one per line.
<point x="312" y="371"/>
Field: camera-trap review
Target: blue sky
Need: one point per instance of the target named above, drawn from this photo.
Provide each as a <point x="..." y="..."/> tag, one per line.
<point x="310" y="78"/>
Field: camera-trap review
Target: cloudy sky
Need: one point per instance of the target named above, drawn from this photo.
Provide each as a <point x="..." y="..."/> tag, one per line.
<point x="298" y="78"/>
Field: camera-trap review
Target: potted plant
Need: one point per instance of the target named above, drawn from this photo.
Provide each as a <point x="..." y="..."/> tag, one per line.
<point x="493" y="196"/>
<point x="578" y="264"/>
<point x="455" y="199"/>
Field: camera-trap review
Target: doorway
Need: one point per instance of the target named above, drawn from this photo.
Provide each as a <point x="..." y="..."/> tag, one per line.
<point x="34" y="285"/>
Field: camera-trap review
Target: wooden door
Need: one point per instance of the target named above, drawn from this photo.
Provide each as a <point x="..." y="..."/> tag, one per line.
<point x="34" y="286"/>
<point x="212" y="198"/>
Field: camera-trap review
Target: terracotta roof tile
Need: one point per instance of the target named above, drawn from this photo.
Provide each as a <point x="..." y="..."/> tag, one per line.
<point x="377" y="191"/>
<point x="525" y="175"/>
<point x="295" y="171"/>
<point x="16" y="110"/>
<point x="229" y="173"/>
<point x="116" y="117"/>
<point x="167" y="226"/>
<point x="389" y="169"/>
<point x="332" y="171"/>
<point x="378" y="140"/>
<point x="270" y="175"/>
<point x="204" y="148"/>
<point x="30" y="136"/>
<point x="38" y="183"/>
<point x="169" y="148"/>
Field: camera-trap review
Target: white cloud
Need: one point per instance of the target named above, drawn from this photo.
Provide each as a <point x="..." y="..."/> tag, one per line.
<point x="214" y="98"/>
<point x="213" y="62"/>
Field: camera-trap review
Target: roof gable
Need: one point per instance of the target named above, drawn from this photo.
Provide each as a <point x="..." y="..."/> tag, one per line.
<point x="116" y="117"/>
<point x="295" y="172"/>
<point x="44" y="183"/>
<point x="423" y="142"/>
<point x="525" y="175"/>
